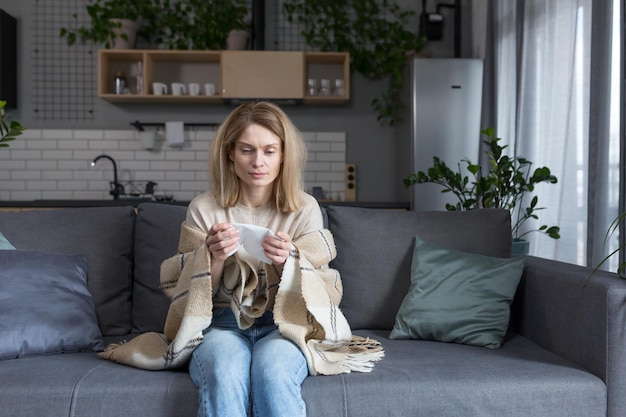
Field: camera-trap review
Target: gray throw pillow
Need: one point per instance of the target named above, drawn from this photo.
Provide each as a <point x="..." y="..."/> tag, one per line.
<point x="458" y="297"/>
<point x="45" y="307"/>
<point x="103" y="234"/>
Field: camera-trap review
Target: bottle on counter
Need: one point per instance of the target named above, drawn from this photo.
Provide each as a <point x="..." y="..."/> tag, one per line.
<point x="120" y="82"/>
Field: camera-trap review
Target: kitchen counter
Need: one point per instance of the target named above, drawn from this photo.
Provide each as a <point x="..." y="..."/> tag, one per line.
<point x="34" y="204"/>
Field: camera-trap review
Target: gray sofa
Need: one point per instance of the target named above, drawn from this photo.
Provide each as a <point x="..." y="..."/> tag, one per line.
<point x="563" y="355"/>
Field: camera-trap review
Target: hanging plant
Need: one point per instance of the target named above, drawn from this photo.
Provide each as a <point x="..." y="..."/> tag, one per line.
<point x="373" y="32"/>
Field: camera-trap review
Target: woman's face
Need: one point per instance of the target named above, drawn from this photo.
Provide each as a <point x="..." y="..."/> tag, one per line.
<point x="257" y="156"/>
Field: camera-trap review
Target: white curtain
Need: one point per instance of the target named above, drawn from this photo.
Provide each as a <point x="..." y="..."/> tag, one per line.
<point x="605" y="131"/>
<point x="553" y="106"/>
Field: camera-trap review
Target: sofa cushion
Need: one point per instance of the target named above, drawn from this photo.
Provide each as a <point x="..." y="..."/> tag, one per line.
<point x="458" y="297"/>
<point x="156" y="239"/>
<point x="45" y="307"/>
<point x="103" y="234"/>
<point x="82" y="384"/>
<point x="423" y="378"/>
<point x="375" y="248"/>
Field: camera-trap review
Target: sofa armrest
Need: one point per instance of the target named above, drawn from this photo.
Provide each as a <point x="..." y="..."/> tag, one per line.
<point x="582" y="321"/>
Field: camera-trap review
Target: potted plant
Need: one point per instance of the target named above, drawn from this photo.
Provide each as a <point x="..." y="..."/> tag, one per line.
<point x="237" y="36"/>
<point x="114" y="23"/>
<point x="198" y="24"/>
<point x="8" y="132"/>
<point x="506" y="185"/>
<point x="613" y="228"/>
<point x="373" y="32"/>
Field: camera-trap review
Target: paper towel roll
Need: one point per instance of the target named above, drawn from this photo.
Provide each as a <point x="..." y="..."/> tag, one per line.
<point x="175" y="134"/>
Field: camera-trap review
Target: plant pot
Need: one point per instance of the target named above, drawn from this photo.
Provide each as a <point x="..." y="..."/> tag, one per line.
<point x="130" y="28"/>
<point x="520" y="248"/>
<point x="237" y="40"/>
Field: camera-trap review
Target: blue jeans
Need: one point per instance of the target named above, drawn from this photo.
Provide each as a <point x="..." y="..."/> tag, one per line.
<point x="254" y="372"/>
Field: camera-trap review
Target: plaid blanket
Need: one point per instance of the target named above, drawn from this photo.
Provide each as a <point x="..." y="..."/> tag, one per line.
<point x="306" y="307"/>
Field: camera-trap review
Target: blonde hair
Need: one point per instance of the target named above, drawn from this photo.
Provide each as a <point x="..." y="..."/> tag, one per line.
<point x="288" y="184"/>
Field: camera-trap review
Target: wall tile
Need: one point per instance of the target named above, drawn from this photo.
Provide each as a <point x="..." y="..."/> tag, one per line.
<point x="35" y="165"/>
<point x="56" y="155"/>
<point x="104" y="145"/>
<point x="12" y="185"/>
<point x="55" y="164"/>
<point x="40" y="144"/>
<point x="25" y="175"/>
<point x="54" y="195"/>
<point x="26" y="195"/>
<point x="88" y="134"/>
<point x="25" y="155"/>
<point x="11" y="164"/>
<point x="57" y="134"/>
<point x="30" y="134"/>
<point x="331" y="136"/>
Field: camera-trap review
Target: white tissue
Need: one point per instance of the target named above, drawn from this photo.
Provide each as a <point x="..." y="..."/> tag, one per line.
<point x="175" y="134"/>
<point x="250" y="237"/>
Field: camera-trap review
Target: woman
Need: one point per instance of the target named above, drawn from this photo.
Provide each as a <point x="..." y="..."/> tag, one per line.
<point x="252" y="319"/>
<point x="256" y="161"/>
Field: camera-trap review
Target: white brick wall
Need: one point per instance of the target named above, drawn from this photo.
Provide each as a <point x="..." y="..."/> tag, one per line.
<point x="54" y="164"/>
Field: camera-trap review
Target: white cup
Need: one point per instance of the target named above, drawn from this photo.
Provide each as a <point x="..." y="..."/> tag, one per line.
<point x="194" y="89"/>
<point x="159" y="89"/>
<point x="209" y="89"/>
<point x="312" y="83"/>
<point x="178" y="89"/>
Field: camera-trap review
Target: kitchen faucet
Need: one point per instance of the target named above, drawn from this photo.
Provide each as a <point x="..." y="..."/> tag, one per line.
<point x="117" y="187"/>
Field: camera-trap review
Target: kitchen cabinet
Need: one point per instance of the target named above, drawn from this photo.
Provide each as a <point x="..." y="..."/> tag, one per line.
<point x="262" y="74"/>
<point x="236" y="75"/>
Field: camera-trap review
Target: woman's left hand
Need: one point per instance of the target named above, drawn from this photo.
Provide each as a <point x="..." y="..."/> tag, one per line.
<point x="277" y="248"/>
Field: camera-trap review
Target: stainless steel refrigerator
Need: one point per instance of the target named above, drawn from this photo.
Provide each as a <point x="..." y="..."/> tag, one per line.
<point x="442" y="119"/>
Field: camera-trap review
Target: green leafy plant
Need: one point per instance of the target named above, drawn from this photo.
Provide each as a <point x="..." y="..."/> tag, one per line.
<point x="613" y="228"/>
<point x="198" y="24"/>
<point x="506" y="184"/>
<point x="373" y="32"/>
<point x="8" y="132"/>
<point x="105" y="26"/>
<point x="178" y="24"/>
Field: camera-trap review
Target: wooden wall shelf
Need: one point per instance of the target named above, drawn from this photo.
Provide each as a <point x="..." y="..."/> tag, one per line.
<point x="236" y="75"/>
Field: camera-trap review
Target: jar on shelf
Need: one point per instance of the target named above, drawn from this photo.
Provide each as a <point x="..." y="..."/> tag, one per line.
<point x="138" y="69"/>
<point x="120" y="82"/>
<point x="324" y="87"/>
<point x="339" y="88"/>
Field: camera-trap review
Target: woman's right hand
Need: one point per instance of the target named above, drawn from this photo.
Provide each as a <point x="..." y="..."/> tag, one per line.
<point x="222" y="239"/>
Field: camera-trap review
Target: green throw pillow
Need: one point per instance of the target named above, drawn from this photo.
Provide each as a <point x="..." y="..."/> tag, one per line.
<point x="457" y="297"/>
